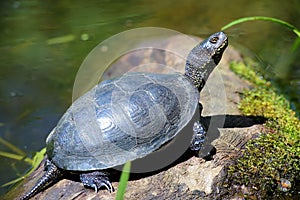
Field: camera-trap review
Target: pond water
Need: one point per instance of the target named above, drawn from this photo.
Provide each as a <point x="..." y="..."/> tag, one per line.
<point x="43" y="43"/>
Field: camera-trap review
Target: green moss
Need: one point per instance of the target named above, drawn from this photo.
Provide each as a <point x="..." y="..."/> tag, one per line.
<point x="271" y="161"/>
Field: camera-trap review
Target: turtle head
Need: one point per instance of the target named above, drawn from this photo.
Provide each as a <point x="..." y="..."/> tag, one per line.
<point x="204" y="58"/>
<point x="213" y="47"/>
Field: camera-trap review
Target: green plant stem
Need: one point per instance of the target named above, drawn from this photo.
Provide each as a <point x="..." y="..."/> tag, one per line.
<point x="278" y="21"/>
<point x="123" y="181"/>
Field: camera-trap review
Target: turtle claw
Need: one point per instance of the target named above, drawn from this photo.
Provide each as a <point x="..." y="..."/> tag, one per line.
<point x="95" y="187"/>
<point x="107" y="185"/>
<point x="96" y="180"/>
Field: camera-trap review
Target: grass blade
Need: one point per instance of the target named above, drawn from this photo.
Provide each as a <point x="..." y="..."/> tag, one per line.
<point x="123" y="181"/>
<point x="16" y="157"/>
<point x="253" y="18"/>
<point x="39" y="156"/>
<point x="12" y="147"/>
<point x="14" y="181"/>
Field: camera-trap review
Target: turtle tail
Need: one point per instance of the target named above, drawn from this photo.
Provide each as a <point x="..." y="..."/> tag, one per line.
<point x="51" y="175"/>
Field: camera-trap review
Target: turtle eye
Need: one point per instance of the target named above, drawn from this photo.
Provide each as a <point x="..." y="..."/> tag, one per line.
<point x="214" y="40"/>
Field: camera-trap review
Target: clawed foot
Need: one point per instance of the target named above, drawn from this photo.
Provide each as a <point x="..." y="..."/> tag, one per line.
<point x="96" y="180"/>
<point x="199" y="134"/>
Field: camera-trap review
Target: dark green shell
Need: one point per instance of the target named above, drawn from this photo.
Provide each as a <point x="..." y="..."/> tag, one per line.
<point x="122" y="119"/>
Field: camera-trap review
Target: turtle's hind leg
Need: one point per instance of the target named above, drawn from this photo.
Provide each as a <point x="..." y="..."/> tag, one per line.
<point x="52" y="174"/>
<point x="96" y="180"/>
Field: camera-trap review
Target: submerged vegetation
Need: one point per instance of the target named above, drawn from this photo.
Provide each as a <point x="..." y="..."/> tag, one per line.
<point x="20" y="155"/>
<point x="270" y="165"/>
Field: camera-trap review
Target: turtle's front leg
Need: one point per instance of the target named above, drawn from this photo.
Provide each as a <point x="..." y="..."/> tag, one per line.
<point x="199" y="134"/>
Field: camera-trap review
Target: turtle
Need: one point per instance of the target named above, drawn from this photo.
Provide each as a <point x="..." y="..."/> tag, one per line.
<point x="127" y="118"/>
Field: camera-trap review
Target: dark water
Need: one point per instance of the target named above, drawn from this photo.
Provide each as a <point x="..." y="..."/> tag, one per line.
<point x="37" y="74"/>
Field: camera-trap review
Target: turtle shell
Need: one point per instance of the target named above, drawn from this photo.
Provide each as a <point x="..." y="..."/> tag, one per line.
<point x="122" y="119"/>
